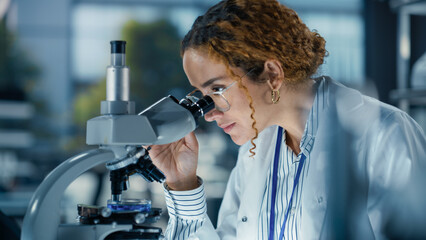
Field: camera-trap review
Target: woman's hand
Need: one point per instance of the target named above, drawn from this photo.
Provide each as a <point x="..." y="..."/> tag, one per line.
<point x="178" y="161"/>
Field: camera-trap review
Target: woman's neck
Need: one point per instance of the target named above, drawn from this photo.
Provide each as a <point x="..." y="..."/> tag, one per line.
<point x="293" y="112"/>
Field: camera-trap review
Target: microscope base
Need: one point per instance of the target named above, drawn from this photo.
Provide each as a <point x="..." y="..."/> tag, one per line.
<point x="107" y="232"/>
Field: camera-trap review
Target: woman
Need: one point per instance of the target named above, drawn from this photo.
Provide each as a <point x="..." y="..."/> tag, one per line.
<point x="256" y="59"/>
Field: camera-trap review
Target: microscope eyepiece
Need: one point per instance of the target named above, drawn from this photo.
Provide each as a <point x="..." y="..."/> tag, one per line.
<point x="118" y="47"/>
<point x="197" y="106"/>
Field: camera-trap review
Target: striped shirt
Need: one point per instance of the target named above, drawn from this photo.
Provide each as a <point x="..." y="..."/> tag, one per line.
<point x="187" y="209"/>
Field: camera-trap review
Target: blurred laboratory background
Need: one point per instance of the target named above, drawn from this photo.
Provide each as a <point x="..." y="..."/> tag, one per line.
<point x="53" y="59"/>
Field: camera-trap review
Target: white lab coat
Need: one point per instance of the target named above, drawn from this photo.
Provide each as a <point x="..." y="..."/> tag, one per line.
<point x="387" y="143"/>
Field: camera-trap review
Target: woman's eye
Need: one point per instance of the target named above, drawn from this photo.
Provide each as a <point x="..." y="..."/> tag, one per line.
<point x="217" y="89"/>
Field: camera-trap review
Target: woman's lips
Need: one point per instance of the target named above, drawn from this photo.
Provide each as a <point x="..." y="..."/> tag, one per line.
<point x="228" y="128"/>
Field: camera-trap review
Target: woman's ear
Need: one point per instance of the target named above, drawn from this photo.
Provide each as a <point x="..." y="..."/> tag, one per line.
<point x="273" y="71"/>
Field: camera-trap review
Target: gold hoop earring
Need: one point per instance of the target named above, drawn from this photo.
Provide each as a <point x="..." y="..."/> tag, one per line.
<point x="275" y="96"/>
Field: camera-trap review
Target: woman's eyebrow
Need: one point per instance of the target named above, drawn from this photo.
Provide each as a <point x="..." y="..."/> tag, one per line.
<point x="211" y="81"/>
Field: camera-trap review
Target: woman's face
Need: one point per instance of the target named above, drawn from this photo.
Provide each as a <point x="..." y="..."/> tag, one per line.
<point x="207" y="75"/>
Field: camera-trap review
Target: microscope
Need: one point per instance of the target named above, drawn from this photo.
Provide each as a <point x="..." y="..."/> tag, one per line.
<point x="123" y="138"/>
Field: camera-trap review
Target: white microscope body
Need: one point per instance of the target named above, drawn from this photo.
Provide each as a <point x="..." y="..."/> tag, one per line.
<point x="119" y="133"/>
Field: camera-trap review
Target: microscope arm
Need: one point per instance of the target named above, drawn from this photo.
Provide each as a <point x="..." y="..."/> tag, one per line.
<point x="43" y="214"/>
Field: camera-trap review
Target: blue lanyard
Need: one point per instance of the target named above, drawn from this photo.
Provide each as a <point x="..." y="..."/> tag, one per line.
<point x="274" y="187"/>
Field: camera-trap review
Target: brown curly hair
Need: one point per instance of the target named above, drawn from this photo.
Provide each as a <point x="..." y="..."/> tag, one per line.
<point x="246" y="33"/>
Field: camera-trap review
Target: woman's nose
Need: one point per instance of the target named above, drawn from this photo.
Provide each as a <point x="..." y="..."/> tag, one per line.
<point x="213" y="115"/>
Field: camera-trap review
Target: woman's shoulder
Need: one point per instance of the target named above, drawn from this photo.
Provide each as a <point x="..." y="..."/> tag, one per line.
<point x="360" y="112"/>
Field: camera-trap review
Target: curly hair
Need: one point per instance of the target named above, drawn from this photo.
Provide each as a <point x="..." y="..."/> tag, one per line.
<point x="246" y="33"/>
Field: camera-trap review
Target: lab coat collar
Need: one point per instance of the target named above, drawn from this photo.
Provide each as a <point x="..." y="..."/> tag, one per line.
<point x="315" y="115"/>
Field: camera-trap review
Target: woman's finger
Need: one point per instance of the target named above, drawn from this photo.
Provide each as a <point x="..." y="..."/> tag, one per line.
<point x="191" y="142"/>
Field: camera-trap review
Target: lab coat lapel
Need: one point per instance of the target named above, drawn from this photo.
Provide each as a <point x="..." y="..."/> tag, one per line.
<point x="256" y="175"/>
<point x="342" y="106"/>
